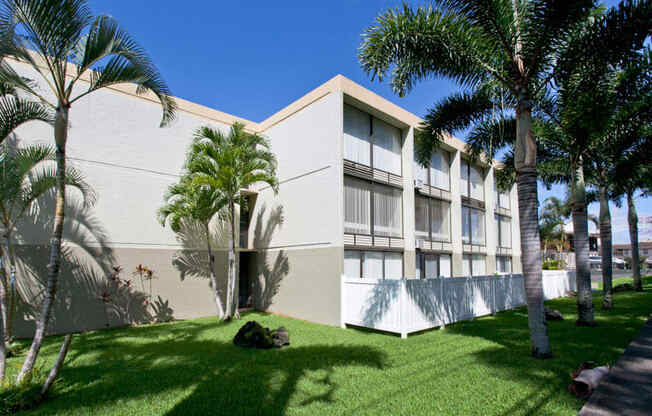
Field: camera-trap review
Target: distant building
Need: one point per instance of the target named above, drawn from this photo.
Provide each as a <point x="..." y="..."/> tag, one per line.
<point x="625" y="250"/>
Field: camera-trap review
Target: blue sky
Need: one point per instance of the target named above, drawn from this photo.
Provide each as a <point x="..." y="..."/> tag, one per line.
<point x="251" y="59"/>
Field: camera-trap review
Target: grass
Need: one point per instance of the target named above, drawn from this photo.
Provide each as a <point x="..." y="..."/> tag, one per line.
<point x="618" y="281"/>
<point x="475" y="367"/>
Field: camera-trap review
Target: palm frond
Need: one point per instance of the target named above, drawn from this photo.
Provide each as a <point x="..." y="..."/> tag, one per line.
<point x="16" y="111"/>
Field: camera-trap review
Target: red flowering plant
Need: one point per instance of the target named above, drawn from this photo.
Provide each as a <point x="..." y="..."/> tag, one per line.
<point x="144" y="274"/>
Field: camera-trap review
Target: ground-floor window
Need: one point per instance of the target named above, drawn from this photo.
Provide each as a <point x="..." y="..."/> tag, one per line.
<point x="432" y="265"/>
<point x="474" y="265"/>
<point x="373" y="264"/>
<point x="503" y="265"/>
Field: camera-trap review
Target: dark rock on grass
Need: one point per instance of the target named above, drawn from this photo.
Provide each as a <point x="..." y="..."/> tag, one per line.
<point x="553" y="315"/>
<point x="254" y="335"/>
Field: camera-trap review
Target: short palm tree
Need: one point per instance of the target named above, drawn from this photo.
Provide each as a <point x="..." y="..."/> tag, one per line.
<point x="27" y="174"/>
<point x="186" y="202"/>
<point x="47" y="35"/>
<point x="508" y="45"/>
<point x="228" y="164"/>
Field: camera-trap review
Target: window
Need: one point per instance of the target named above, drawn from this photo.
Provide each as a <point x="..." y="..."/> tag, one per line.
<point x="437" y="173"/>
<point x="503" y="265"/>
<point x="373" y="264"/>
<point x="501" y="199"/>
<point x="472" y="226"/>
<point x="357" y="136"/>
<point x="387" y="211"/>
<point x="432" y="219"/>
<point x="386" y="147"/>
<point x="431" y="265"/>
<point x="360" y="197"/>
<point x="471" y="182"/>
<point x="504" y="231"/>
<point x="357" y="206"/>
<point x="371" y="142"/>
<point x="473" y="265"/>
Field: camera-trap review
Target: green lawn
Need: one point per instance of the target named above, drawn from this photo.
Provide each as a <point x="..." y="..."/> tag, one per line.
<point x="476" y="367"/>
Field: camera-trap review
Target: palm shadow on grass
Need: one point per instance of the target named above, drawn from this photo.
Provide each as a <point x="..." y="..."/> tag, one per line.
<point x="571" y="344"/>
<point x="197" y="357"/>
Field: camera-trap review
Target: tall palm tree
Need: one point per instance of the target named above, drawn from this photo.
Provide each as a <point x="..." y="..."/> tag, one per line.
<point x="228" y="164"/>
<point x="508" y="44"/>
<point x="27" y="174"/>
<point x="186" y="202"/>
<point x="46" y="35"/>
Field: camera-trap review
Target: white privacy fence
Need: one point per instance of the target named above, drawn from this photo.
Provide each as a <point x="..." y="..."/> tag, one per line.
<point x="404" y="306"/>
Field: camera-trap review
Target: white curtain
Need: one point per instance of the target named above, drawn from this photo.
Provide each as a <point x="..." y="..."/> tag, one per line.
<point x="477" y="226"/>
<point x="421" y="217"/>
<point x="504" y="265"/>
<point x="387" y="211"/>
<point x="439" y="170"/>
<point x="466" y="218"/>
<point x="431" y="266"/>
<point x="464" y="178"/>
<point x="466" y="265"/>
<point x="352" y="264"/>
<point x="420" y="172"/>
<point x="357" y="136"/>
<point x="479" y="268"/>
<point x="504" y="200"/>
<point x="372" y="267"/>
<point x="445" y="265"/>
<point x="505" y="225"/>
<point x="419" y="257"/>
<point x="477" y="184"/>
<point x="440" y="220"/>
<point x="393" y="265"/>
<point x="387" y="147"/>
<point x="357" y="213"/>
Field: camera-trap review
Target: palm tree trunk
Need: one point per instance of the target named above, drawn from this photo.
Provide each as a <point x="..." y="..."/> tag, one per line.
<point x="632" y="218"/>
<point x="60" y="137"/>
<point x="233" y="276"/>
<point x="605" y="248"/>
<point x="581" y="245"/>
<point x="4" y="285"/>
<point x="528" y="205"/>
<point x="65" y="346"/>
<point x="211" y="267"/>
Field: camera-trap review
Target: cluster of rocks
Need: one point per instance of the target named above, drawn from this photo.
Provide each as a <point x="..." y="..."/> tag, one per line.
<point x="254" y="335"/>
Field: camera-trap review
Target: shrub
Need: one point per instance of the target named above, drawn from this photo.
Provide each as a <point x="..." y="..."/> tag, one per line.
<point x="18" y="397"/>
<point x="550" y="264"/>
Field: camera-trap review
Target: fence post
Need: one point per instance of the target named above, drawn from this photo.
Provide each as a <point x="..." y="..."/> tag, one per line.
<point x="442" y="302"/>
<point x="403" y="308"/>
<point x="342" y="302"/>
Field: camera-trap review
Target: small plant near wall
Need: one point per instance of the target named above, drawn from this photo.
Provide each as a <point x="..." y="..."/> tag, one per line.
<point x="144" y="273"/>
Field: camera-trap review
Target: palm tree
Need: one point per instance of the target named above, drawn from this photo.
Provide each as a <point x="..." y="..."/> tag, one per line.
<point x="27" y="174"/>
<point x="46" y="35"/>
<point x="506" y="44"/>
<point x="185" y="202"/>
<point x="553" y="217"/>
<point x="228" y="164"/>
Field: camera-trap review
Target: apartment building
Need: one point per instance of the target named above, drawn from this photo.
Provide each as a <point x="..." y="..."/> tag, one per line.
<point x="352" y="201"/>
<point x="625" y="250"/>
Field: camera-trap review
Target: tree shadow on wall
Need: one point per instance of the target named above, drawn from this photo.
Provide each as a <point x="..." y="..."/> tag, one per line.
<point x="271" y="268"/>
<point x="85" y="274"/>
<point x="192" y="260"/>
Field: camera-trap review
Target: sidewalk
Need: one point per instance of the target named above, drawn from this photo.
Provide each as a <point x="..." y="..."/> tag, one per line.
<point x="628" y="387"/>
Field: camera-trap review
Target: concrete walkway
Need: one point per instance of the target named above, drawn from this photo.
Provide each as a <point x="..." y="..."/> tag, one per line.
<point x="628" y="387"/>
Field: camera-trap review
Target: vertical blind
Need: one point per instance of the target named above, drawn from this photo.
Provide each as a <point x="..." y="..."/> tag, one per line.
<point x="433" y="265"/>
<point x="387" y="147"/>
<point x="434" y="214"/>
<point x="501" y="199"/>
<point x="373" y="264"/>
<point x="357" y="206"/>
<point x="471" y="182"/>
<point x="358" y="138"/>
<point x="473" y="226"/>
<point x="387" y="211"/>
<point x="440" y="171"/>
<point x="473" y="265"/>
<point x="504" y="231"/>
<point x="387" y="204"/>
